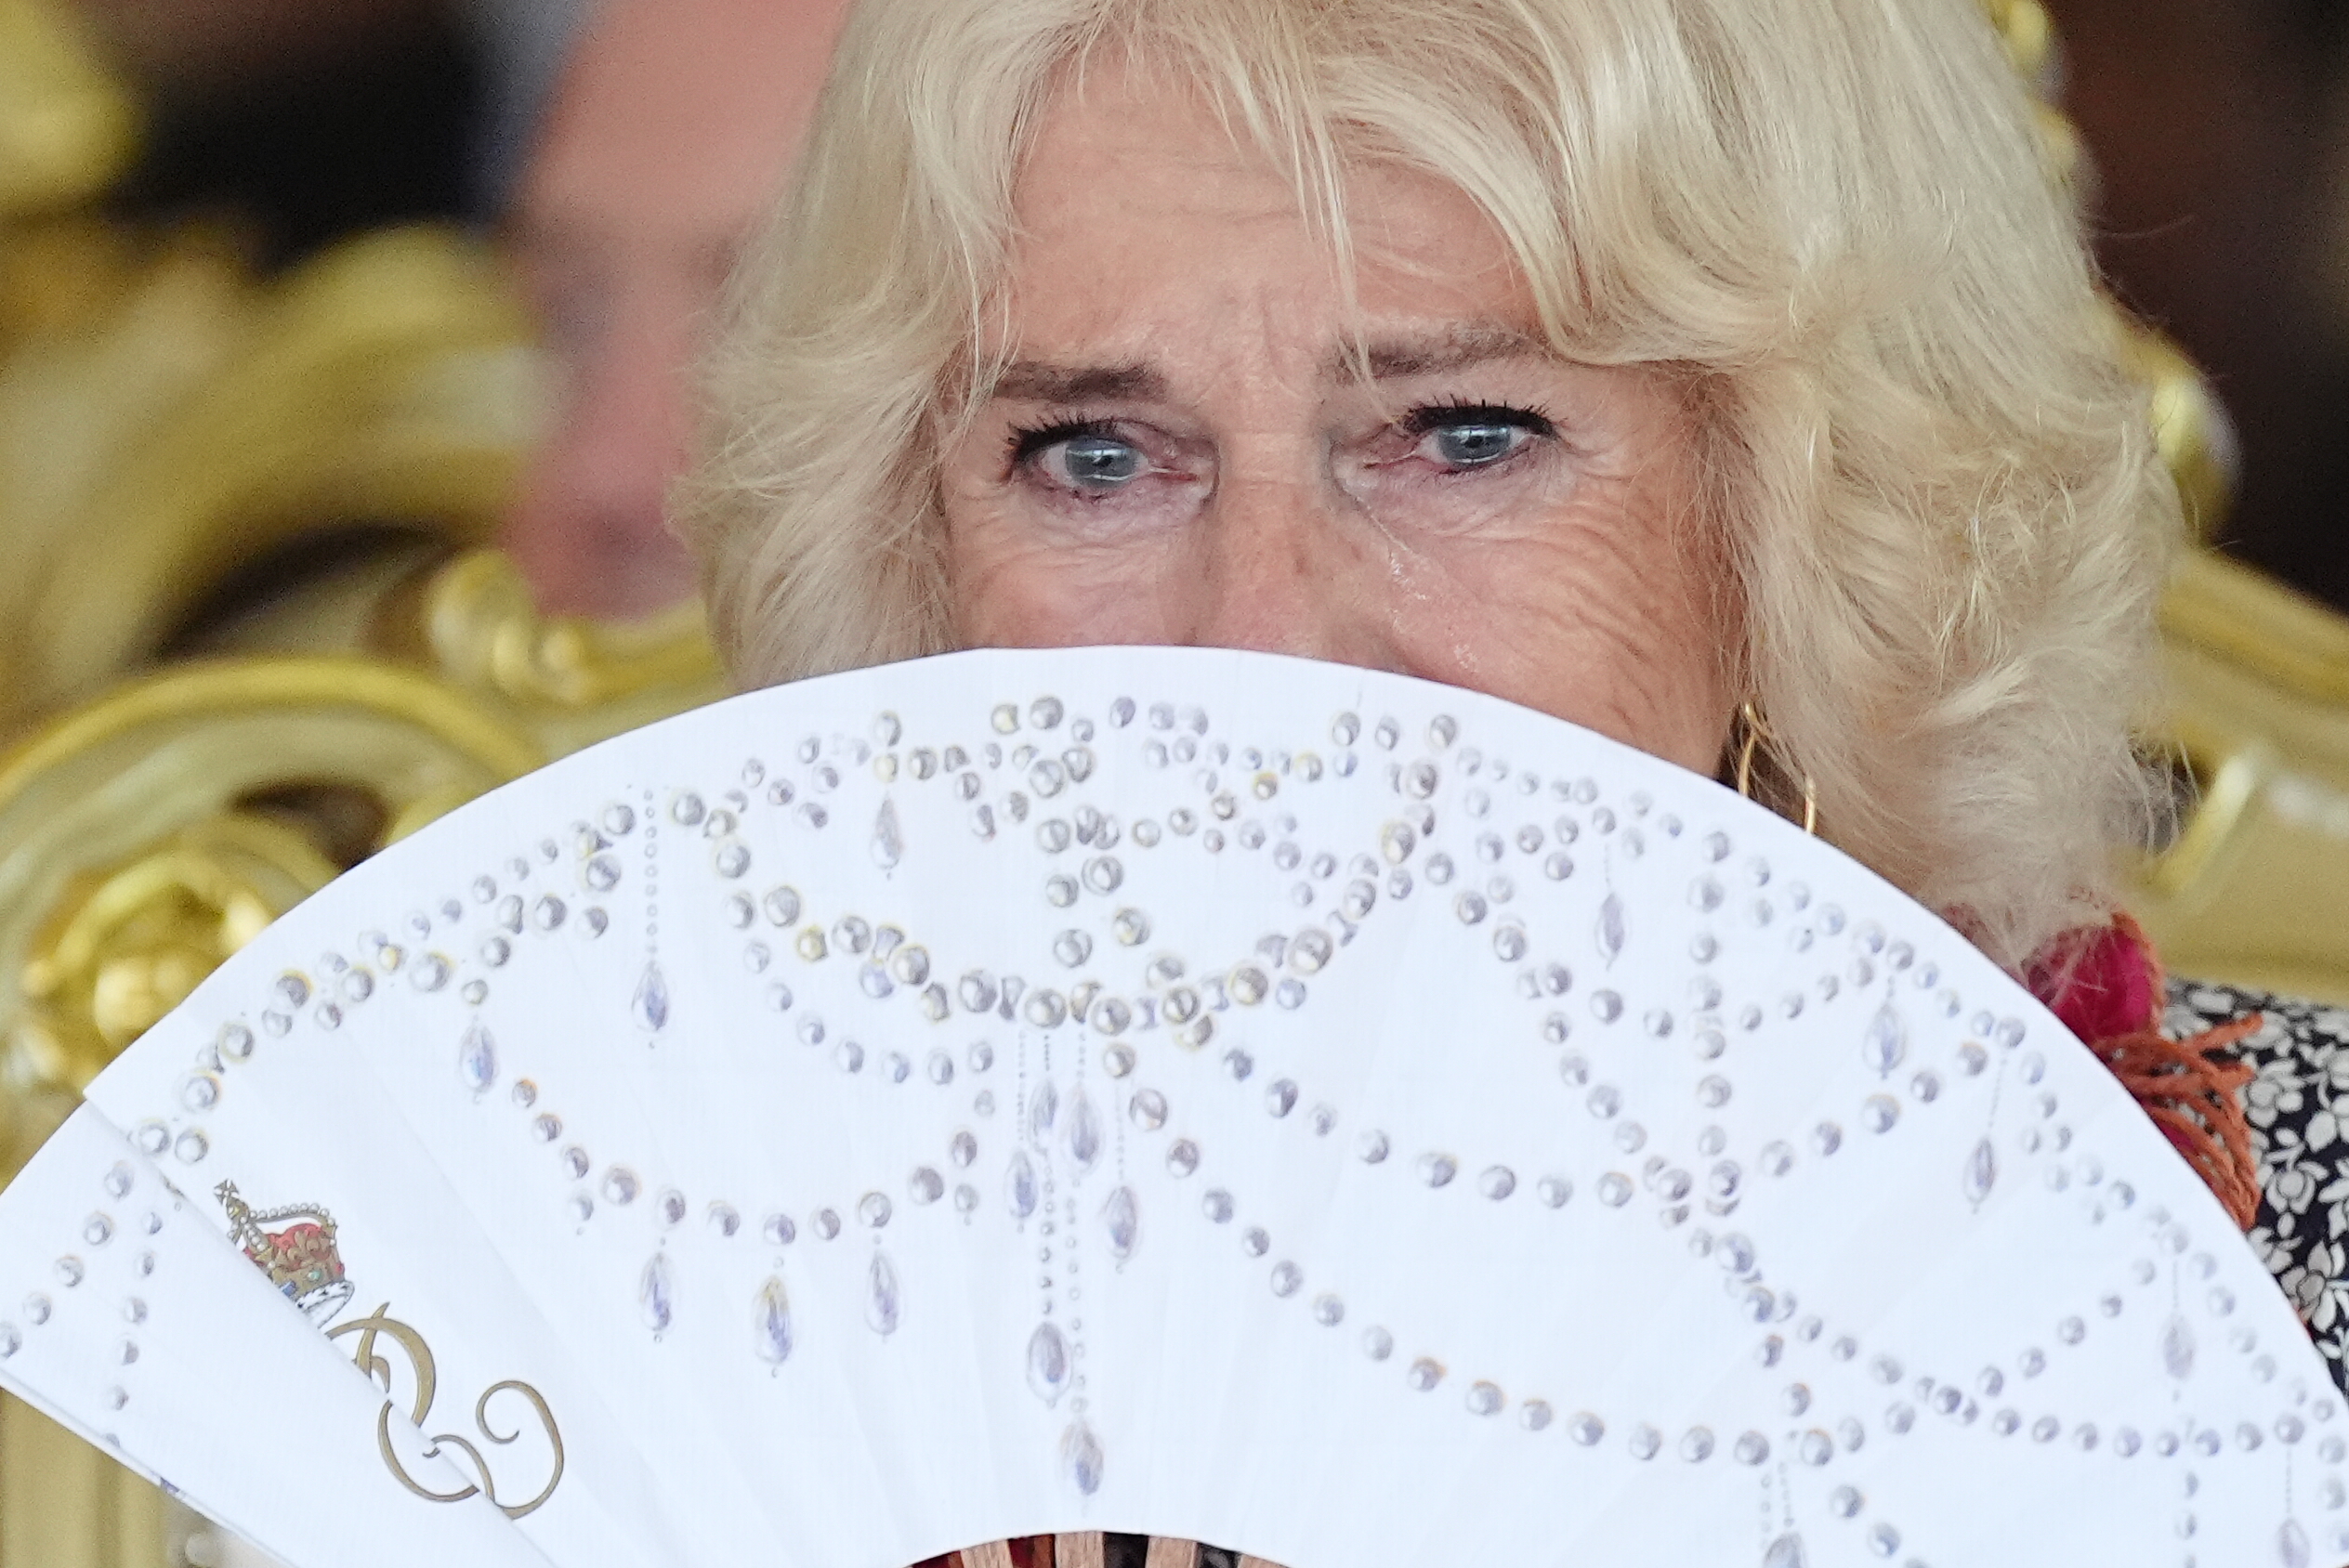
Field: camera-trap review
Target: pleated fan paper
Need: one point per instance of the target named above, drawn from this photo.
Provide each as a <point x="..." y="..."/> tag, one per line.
<point x="1344" y="1119"/>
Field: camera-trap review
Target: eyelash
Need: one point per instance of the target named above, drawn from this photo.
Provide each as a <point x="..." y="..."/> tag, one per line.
<point x="1459" y="411"/>
<point x="1025" y="441"/>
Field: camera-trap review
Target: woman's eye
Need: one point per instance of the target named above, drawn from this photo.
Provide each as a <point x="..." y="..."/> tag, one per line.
<point x="1473" y="443"/>
<point x="1094" y="464"/>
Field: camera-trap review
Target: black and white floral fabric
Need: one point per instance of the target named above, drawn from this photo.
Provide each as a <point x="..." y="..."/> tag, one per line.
<point x="2298" y="1108"/>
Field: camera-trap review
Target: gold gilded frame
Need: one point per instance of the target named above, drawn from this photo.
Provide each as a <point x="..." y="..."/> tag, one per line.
<point x="2254" y="889"/>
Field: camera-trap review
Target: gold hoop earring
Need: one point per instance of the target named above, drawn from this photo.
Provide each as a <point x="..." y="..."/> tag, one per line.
<point x="1756" y="735"/>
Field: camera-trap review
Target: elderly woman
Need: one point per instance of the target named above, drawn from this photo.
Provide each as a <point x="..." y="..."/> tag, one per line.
<point x="1724" y="375"/>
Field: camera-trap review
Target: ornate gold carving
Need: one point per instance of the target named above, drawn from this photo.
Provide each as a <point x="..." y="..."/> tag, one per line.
<point x="426" y="1372"/>
<point x="2196" y="439"/>
<point x="126" y="944"/>
<point x="149" y="835"/>
<point x="2249" y="619"/>
<point x="201" y="420"/>
<point x="2023" y="26"/>
<point x="2255" y="886"/>
<point x="487" y="631"/>
<point x="2029" y="37"/>
<point x="573" y="680"/>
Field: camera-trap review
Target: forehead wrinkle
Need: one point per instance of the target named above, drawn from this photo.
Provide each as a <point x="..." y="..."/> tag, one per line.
<point x="1037" y="381"/>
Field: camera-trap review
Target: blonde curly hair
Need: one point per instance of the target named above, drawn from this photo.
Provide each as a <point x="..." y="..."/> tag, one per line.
<point x="1937" y="486"/>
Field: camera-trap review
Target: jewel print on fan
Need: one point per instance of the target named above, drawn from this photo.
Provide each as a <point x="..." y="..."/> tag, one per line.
<point x="110" y="1253"/>
<point x="651" y="1003"/>
<point x="1116" y="1025"/>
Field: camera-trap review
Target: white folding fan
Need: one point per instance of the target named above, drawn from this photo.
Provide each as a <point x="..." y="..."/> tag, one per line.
<point x="1348" y="1119"/>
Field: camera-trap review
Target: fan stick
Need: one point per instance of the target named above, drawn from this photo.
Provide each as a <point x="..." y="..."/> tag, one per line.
<point x="1082" y="1549"/>
<point x="994" y="1554"/>
<point x="1246" y="1562"/>
<point x="1168" y="1552"/>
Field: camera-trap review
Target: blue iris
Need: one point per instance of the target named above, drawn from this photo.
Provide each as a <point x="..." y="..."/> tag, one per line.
<point x="1101" y="463"/>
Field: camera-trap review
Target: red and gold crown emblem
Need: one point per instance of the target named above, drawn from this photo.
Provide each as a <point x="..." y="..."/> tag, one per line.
<point x="300" y="1258"/>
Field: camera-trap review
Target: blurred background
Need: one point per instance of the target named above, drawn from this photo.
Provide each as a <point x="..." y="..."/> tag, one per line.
<point x="307" y="121"/>
<point x="342" y="352"/>
<point x="2217" y="138"/>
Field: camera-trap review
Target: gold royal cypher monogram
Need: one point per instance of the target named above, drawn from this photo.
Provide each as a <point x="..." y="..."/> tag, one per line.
<point x="303" y="1262"/>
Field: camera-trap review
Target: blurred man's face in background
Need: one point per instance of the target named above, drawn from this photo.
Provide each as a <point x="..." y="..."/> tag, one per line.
<point x="669" y="131"/>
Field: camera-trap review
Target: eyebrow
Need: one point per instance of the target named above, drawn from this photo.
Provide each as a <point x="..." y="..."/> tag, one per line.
<point x="1454" y="348"/>
<point x="1035" y="381"/>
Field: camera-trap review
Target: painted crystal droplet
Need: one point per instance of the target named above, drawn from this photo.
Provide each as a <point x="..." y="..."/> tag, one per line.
<point x="2177" y="1348"/>
<point x="1885" y="1044"/>
<point x="1610" y="928"/>
<point x="1981" y="1172"/>
<point x="1019" y="1186"/>
<point x="1047" y="1362"/>
<point x="770" y="1322"/>
<point x="2291" y="1545"/>
<point x="1043" y="1108"/>
<point x="1081" y="1459"/>
<point x="1786" y="1552"/>
<point x="655" y="1296"/>
<point x="881" y="1301"/>
<point x="1123" y="1215"/>
<point x="652" y="1005"/>
<point x="888" y="836"/>
<point x="476" y="1059"/>
<point x="1084" y="1132"/>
